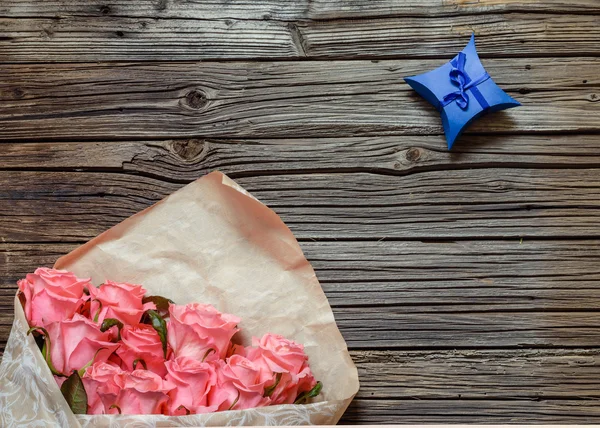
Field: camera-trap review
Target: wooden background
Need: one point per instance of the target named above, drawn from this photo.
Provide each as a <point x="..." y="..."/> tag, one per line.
<point x="466" y="283"/>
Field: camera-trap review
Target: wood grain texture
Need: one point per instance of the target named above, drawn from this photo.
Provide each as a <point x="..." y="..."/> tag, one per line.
<point x="466" y="284"/>
<point x="159" y="9"/>
<point x="288" y="10"/>
<point x="77" y="39"/>
<point x="471" y="375"/>
<point x="460" y="323"/>
<point x="345" y="9"/>
<point x="74" y="38"/>
<point x="455" y="277"/>
<point x="498" y="35"/>
<point x="184" y="160"/>
<point x="363" y="411"/>
<point x="270" y="100"/>
<point x="480" y="203"/>
<point x="413" y="277"/>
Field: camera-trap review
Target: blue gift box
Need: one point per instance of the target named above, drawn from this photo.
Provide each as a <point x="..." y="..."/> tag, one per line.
<point x="462" y="91"/>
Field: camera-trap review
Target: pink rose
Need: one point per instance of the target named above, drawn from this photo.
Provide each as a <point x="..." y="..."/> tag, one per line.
<point x="52" y="295"/>
<point x="240" y="385"/>
<point x="101" y="378"/>
<point x="200" y="331"/>
<point x="121" y="301"/>
<point x="141" y="392"/>
<point x="142" y="343"/>
<point x="281" y="352"/>
<point x="77" y="342"/>
<point x="288" y="363"/>
<point x="193" y="381"/>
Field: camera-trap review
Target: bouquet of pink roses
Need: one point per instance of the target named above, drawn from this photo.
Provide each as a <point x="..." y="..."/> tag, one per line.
<point x="123" y="356"/>
<point x="114" y="349"/>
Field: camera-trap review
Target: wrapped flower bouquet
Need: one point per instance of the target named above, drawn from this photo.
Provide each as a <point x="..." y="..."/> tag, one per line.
<point x="228" y="327"/>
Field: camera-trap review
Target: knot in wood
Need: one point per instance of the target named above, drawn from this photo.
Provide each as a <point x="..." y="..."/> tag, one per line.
<point x="413" y="154"/>
<point x="195" y="99"/>
<point x="188" y="149"/>
<point x="105" y="10"/>
<point x="18" y="93"/>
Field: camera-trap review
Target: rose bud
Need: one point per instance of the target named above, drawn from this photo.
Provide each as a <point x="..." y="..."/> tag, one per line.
<point x="141" y="392"/>
<point x="52" y="295"/>
<point x="76" y="343"/>
<point x="200" y="331"/>
<point x="240" y="385"/>
<point x="193" y="381"/>
<point x="100" y="378"/>
<point x="288" y="363"/>
<point x="121" y="301"/>
<point x="141" y="346"/>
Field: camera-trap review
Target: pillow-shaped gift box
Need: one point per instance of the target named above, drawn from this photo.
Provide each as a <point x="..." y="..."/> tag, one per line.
<point x="462" y="91"/>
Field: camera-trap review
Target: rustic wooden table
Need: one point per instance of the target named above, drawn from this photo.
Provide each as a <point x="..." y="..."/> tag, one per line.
<point x="466" y="284"/>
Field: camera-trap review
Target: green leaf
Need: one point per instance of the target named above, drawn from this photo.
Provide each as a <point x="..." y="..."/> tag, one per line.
<point x="303" y="398"/>
<point x="159" y="324"/>
<point x="162" y="304"/>
<point x="74" y="392"/>
<point x="270" y="389"/>
<point x="111" y="322"/>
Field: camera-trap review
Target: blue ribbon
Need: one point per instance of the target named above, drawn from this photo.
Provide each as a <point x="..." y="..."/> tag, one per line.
<point x="460" y="78"/>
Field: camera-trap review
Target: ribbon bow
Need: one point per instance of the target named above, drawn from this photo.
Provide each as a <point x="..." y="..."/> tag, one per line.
<point x="460" y="78"/>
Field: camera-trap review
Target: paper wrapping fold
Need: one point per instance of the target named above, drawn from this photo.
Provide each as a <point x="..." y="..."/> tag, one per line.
<point x="209" y="242"/>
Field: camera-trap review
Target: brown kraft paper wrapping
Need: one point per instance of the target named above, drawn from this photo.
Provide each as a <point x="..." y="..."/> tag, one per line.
<point x="209" y="242"/>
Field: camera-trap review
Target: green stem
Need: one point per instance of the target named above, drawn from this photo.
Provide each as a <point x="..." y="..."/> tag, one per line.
<point x="81" y="371"/>
<point x="235" y="402"/>
<point x="98" y="311"/>
<point x="269" y="391"/>
<point x="46" y="350"/>
<point x="303" y="398"/>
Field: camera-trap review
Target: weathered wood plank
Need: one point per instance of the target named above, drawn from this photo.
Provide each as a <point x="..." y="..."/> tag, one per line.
<point x="574" y="411"/>
<point x="438" y="204"/>
<point x="340" y="9"/>
<point x="204" y="10"/>
<point x="511" y="276"/>
<point x="458" y="277"/>
<point x="258" y="100"/>
<point x="498" y="35"/>
<point x="122" y="38"/>
<point x="286" y="9"/>
<point x="78" y="39"/>
<point x="508" y="374"/>
<point x="393" y="327"/>
<point x="461" y="322"/>
<point x="187" y="159"/>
